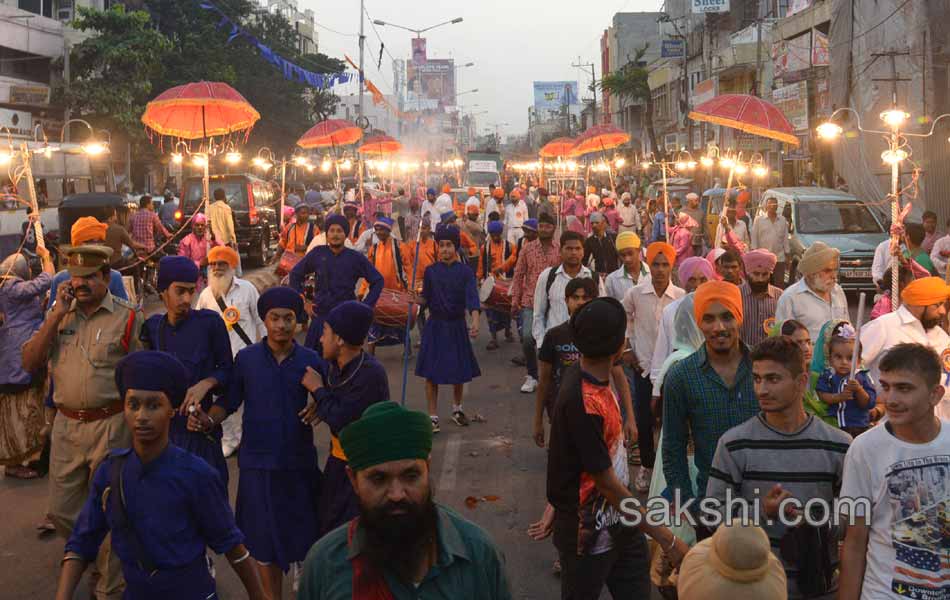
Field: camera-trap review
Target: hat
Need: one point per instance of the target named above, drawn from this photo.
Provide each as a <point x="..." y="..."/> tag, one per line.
<point x="448" y="232"/>
<point x="596" y="217"/>
<point x="446" y="188"/>
<point x="725" y="293"/>
<point x="759" y="259"/>
<point x="223" y="253"/>
<point x="15" y="265"/>
<point x="471" y="191"/>
<point x="87" y="229"/>
<point x="176" y="268"/>
<point x="430" y="192"/>
<point x="546" y="218"/>
<point x="384" y="222"/>
<point x="279" y="297"/>
<point x="337" y="220"/>
<point x="817" y="257"/>
<point x="628" y="239"/>
<point x="599" y="327"/>
<point x="661" y="248"/>
<point x="608" y="201"/>
<point x="530" y="224"/>
<point x="472" y="209"/>
<point x="925" y="292"/>
<point x="693" y="265"/>
<point x="498" y="194"/>
<point x="735" y="563"/>
<point x="351" y="321"/>
<point x="201" y="219"/>
<point x="154" y="372"/>
<point x="86" y="259"/>
<point x="515" y="193"/>
<point x="386" y="432"/>
<point x="495" y="228"/>
<point x="448" y="217"/>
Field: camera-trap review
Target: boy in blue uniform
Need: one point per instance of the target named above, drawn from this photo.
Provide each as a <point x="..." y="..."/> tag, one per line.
<point x="279" y="478"/>
<point x="199" y="339"/>
<point x="337" y="270"/>
<point x="349" y="383"/>
<point x="446" y="356"/>
<point x="163" y="505"/>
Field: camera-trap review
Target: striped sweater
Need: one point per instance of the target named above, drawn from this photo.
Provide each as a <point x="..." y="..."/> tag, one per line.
<point x="752" y="457"/>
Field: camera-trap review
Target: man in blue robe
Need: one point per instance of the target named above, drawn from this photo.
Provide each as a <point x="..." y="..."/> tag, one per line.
<point x="163" y="505"/>
<point x="337" y="269"/>
<point x="199" y="339"/>
<point x="350" y="382"/>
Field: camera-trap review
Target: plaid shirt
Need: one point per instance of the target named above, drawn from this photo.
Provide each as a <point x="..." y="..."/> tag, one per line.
<point x="755" y="312"/>
<point x="143" y="225"/>
<point x="697" y="403"/>
<point x="533" y="259"/>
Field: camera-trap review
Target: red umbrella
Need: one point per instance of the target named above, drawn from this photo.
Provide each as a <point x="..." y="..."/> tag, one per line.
<point x="557" y="147"/>
<point x="747" y="113"/>
<point x="335" y="132"/>
<point x="199" y="110"/>
<point x="381" y="145"/>
<point x="599" y="138"/>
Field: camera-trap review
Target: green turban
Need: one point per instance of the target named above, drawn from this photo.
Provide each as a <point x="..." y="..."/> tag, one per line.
<point x="386" y="432"/>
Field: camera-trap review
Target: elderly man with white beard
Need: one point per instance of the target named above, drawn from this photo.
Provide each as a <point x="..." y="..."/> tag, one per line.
<point x="235" y="299"/>
<point x="816" y="298"/>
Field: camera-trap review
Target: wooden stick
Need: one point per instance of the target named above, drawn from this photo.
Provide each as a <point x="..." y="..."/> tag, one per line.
<point x="857" y="336"/>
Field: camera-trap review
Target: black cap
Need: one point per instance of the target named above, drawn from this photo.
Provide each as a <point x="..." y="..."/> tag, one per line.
<point x="599" y="327"/>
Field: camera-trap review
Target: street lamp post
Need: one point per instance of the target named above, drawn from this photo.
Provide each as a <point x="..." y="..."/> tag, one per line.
<point x="265" y="160"/>
<point x="418" y="32"/>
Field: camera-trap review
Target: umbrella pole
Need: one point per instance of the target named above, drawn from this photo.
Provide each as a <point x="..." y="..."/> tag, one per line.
<point x="30" y="186"/>
<point x="725" y="202"/>
<point x="408" y="341"/>
<point x="666" y="203"/>
<point x="283" y="191"/>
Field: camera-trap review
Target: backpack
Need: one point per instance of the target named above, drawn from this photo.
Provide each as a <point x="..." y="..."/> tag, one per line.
<point x="552" y="276"/>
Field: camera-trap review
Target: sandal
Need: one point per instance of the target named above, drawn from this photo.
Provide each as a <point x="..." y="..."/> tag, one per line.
<point x="21" y="472"/>
<point x="492" y="345"/>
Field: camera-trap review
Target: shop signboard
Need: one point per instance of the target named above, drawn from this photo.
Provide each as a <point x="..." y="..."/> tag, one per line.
<point x="793" y="101"/>
<point x="710" y="6"/>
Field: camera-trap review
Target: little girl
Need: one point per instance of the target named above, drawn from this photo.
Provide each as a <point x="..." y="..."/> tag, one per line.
<point x="850" y="400"/>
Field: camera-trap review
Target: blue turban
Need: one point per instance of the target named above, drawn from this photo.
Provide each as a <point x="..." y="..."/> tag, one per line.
<point x="495" y="228"/>
<point x="337" y="220"/>
<point x="448" y="232"/>
<point x="531" y="224"/>
<point x="176" y="268"/>
<point x="280" y="297"/>
<point x="155" y="372"/>
<point x="351" y="321"/>
<point x="430" y="192"/>
<point x="448" y="217"/>
<point x="384" y="222"/>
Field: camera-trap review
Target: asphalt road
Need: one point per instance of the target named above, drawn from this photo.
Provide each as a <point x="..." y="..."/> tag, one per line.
<point x="492" y="458"/>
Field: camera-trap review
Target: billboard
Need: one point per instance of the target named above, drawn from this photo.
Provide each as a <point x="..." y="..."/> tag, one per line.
<point x="672" y="48"/>
<point x="553" y="95"/>
<point x="793" y="101"/>
<point x="710" y="6"/>
<point x="431" y="85"/>
<point x="418" y="51"/>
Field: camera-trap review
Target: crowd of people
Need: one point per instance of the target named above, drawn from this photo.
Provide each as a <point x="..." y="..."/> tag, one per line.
<point x="664" y="362"/>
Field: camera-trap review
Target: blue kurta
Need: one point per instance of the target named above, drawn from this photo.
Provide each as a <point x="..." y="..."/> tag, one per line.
<point x="177" y="507"/>
<point x="279" y="478"/>
<point x="336" y="277"/>
<point x="200" y="341"/>
<point x="446" y="355"/>
<point x="342" y="400"/>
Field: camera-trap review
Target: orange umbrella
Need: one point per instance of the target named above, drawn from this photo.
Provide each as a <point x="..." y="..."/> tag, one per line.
<point x="199" y="110"/>
<point x="557" y="147"/>
<point x="599" y="138"/>
<point x="381" y="145"/>
<point x="335" y="132"/>
<point x="747" y="113"/>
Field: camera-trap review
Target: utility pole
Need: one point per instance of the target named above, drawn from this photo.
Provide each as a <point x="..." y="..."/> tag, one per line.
<point x="66" y="114"/>
<point x="593" y="82"/>
<point x="359" y="121"/>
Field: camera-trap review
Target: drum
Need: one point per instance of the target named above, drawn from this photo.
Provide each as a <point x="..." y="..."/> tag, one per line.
<point x="496" y="294"/>
<point x="392" y="309"/>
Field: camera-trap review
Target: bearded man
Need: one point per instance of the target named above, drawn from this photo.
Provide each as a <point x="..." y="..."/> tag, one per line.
<point x="235" y="299"/>
<point x="816" y="298"/>
<point x="759" y="296"/>
<point x="402" y="544"/>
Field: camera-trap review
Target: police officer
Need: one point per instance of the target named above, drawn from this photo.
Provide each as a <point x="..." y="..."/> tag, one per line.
<point x="83" y="337"/>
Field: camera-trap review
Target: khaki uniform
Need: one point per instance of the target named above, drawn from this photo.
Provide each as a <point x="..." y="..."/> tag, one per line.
<point x="82" y="362"/>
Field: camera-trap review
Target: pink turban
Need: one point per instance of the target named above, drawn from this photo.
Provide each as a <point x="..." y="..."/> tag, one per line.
<point x="757" y="260"/>
<point x="695" y="265"/>
<point x="200" y="219"/>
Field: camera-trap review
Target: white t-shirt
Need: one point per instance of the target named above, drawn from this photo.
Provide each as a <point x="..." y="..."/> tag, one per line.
<point x="909" y="489"/>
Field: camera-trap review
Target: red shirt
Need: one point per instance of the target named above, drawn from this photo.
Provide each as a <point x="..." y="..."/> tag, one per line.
<point x="533" y="259"/>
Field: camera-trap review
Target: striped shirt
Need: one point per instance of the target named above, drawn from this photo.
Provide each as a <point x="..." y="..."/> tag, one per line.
<point x="755" y="312"/>
<point x="808" y="463"/>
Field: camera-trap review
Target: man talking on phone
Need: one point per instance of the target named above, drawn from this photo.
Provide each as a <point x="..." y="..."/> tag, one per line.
<point x="84" y="335"/>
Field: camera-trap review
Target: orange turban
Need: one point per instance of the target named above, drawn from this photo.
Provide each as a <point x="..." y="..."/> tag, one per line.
<point x="87" y="229"/>
<point x="225" y="253"/>
<point x="723" y="292"/>
<point x="446" y="189"/>
<point x="925" y="292"/>
<point x="661" y="248"/>
<point x="498" y="194"/>
<point x="516" y="193"/>
<point x="471" y="191"/>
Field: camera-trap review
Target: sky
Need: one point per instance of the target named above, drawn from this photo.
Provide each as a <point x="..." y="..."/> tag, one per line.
<point x="511" y="42"/>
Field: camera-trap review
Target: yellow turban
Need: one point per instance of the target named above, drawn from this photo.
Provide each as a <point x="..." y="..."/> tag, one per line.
<point x="661" y="248"/>
<point x="225" y="253"/>
<point x="628" y="239"/>
<point x="818" y="256"/>
<point x="926" y="291"/>
<point x="723" y="292"/>
<point x="87" y="229"/>
<point x="736" y="562"/>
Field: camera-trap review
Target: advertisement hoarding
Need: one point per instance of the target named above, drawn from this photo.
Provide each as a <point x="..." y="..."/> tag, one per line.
<point x="710" y="6"/>
<point x="793" y="101"/>
<point x="418" y="51"/>
<point x="431" y="86"/>
<point x="553" y="95"/>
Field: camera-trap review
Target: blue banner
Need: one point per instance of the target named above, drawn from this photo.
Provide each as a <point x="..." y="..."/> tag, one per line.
<point x="672" y="48"/>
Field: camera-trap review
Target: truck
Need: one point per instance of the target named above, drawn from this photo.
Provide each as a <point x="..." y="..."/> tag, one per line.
<point x="484" y="169"/>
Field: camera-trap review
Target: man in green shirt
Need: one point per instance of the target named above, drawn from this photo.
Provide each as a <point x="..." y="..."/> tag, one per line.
<point x="402" y="545"/>
<point x="914" y="235"/>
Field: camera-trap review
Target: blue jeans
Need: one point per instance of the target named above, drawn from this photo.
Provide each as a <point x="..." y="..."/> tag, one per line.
<point x="528" y="344"/>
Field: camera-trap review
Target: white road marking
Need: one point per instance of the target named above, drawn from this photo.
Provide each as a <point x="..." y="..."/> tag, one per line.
<point x="450" y="463"/>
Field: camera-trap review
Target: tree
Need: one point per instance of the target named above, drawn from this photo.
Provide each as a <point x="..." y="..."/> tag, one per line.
<point x="632" y="83"/>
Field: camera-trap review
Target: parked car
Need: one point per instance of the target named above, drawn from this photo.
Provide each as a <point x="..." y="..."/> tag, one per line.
<point x="252" y="202"/>
<point x="836" y="218"/>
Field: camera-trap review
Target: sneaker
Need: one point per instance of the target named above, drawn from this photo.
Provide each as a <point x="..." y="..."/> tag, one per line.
<point x="642" y="482"/>
<point x="460" y="419"/>
<point x="518" y="361"/>
<point x="530" y="384"/>
<point x="435" y="424"/>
